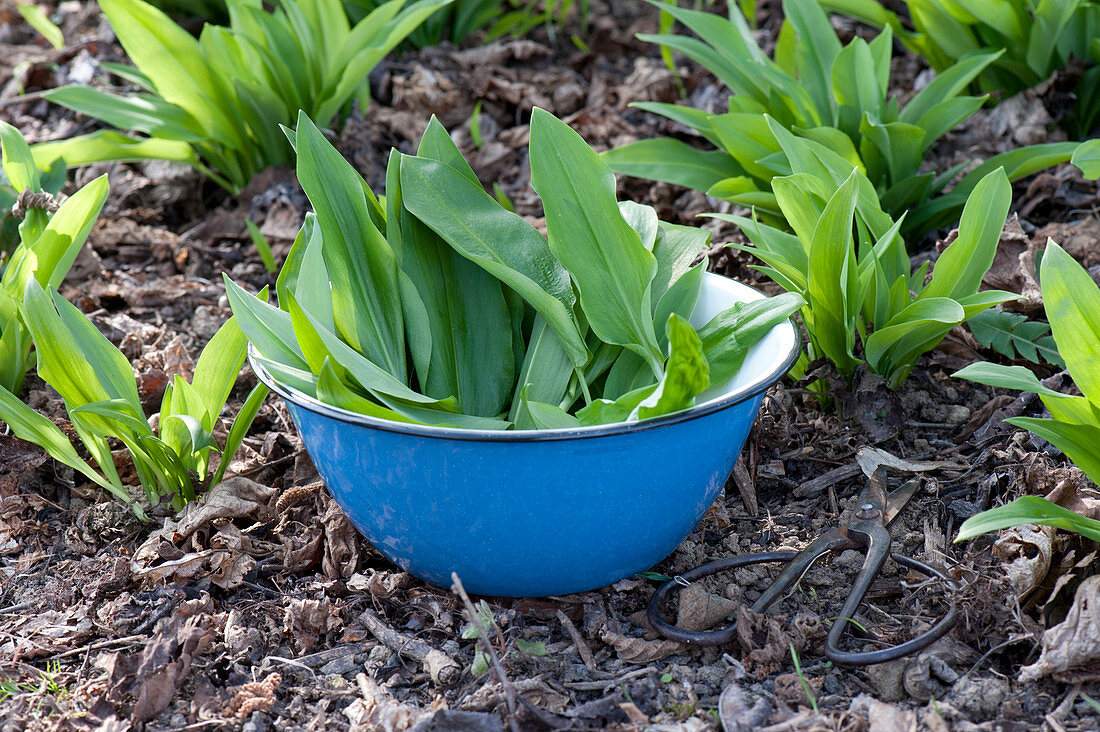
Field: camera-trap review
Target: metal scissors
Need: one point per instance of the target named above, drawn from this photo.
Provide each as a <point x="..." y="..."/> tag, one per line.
<point x="866" y="531"/>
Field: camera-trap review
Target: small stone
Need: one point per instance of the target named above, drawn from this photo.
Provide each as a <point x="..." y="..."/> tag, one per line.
<point x="957" y="414"/>
<point x="343" y="665"/>
<point x="256" y="723"/>
<point x="888" y="679"/>
<point x="978" y="698"/>
<point x="851" y="559"/>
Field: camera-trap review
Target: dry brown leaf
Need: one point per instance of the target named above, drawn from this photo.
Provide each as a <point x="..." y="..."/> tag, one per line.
<point x="151" y="677"/>
<point x="341" y="542"/>
<point x="307" y="620"/>
<point x="700" y="609"/>
<point x="766" y="640"/>
<point x="1013" y="268"/>
<point x="639" y="650"/>
<point x="1075" y="496"/>
<point x="1027" y="553"/>
<point x="204" y="542"/>
<point x="1071" y="649"/>
<point x="870" y="458"/>
<point x="378" y="711"/>
<point x="883" y="717"/>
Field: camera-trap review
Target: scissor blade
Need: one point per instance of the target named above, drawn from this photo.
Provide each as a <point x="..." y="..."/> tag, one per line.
<point x="897" y="498"/>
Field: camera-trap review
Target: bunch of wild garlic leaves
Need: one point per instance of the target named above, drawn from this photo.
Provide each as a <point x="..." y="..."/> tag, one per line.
<point x="865" y="304"/>
<point x="173" y="461"/>
<point x="1072" y="303"/>
<point x="49" y="238"/>
<point x="216" y="103"/>
<point x="834" y="95"/>
<point x="1037" y="38"/>
<point x="442" y="307"/>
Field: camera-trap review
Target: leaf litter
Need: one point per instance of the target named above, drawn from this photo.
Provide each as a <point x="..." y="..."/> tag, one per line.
<point x="249" y="610"/>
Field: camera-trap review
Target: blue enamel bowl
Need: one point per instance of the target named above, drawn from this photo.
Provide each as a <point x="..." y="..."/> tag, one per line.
<point x="541" y="512"/>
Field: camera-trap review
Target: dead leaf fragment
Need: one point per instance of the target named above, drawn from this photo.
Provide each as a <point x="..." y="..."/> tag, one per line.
<point x="639" y="650"/>
<point x="204" y="542"/>
<point x="700" y="609"/>
<point x="740" y="712"/>
<point x="1071" y="649"/>
<point x="307" y="620"/>
<point x="1027" y="553"/>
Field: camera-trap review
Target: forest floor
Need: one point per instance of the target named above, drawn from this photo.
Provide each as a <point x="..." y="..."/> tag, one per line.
<point x="262" y="608"/>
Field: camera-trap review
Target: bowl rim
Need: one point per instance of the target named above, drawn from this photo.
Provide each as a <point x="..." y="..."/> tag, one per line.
<point x="723" y="401"/>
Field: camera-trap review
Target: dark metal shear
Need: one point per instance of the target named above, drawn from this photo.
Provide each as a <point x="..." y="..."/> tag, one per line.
<point x="866" y="531"/>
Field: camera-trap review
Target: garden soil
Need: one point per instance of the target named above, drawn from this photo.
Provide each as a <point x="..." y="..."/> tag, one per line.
<point x="261" y="608"/>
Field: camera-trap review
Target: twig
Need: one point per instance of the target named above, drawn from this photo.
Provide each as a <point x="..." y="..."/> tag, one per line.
<point x="993" y="650"/>
<point x="745" y="487"/>
<point x="582" y="648"/>
<point x="288" y="662"/>
<point x="488" y="650"/>
<point x="99" y="645"/>
<point x="605" y="684"/>
<point x="443" y="669"/>
<point x="823" y="481"/>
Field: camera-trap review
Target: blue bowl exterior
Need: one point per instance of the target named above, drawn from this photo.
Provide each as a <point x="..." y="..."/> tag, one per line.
<point x="527" y="518"/>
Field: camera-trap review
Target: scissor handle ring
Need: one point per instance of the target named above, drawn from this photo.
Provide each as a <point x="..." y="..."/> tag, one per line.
<point x="704" y="637"/>
<point x="922" y="641"/>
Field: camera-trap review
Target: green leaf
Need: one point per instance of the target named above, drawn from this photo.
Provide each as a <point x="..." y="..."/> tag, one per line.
<point x="267" y="328"/>
<point x="902" y="338"/>
<point x="14" y="348"/>
<point x="369" y="375"/>
<point x="1072" y="303"/>
<point x="1087" y="159"/>
<point x="239" y="428"/>
<point x="604" y="411"/>
<point x="832" y="281"/>
<point x="31" y="426"/>
<point x="73" y="356"/>
<point x="539" y="416"/>
<point x="332" y="390"/>
<point x="673" y="161"/>
<point x="18" y="162"/>
<point x="469" y="320"/>
<point x="963" y="264"/>
<point x="262" y="246"/>
<point x="38" y="20"/>
<point x="109" y="146"/>
<point x="947" y="85"/>
<point x="641" y="218"/>
<point x="1006" y="377"/>
<point x="686" y="375"/>
<point x="675" y="249"/>
<point x="1028" y="510"/>
<point x="546" y="369"/>
<point x="365" y="296"/>
<point x="495" y="239"/>
<point x="728" y="336"/>
<point x="588" y="235"/>
<point x="1011" y="333"/>
<point x="216" y="372"/>
<point x="50" y="256"/>
<point x="145" y="113"/>
<point x="818" y="53"/>
<point x="174" y="62"/>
